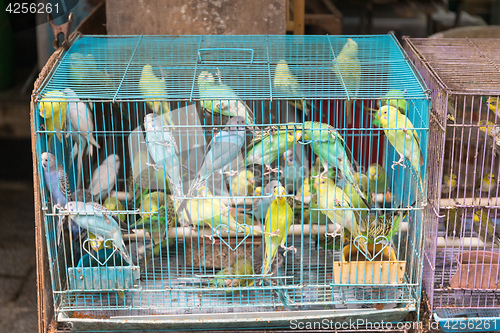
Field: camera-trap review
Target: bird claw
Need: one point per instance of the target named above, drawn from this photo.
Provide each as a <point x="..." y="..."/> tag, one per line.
<point x="230" y="173"/>
<point x="272" y="170"/>
<point x="289" y="248"/>
<point x="156" y="167"/>
<point x="399" y="162"/>
<point x="274" y="233"/>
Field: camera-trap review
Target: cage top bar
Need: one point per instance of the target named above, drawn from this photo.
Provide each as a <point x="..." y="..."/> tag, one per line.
<point x="109" y="68"/>
<point x="462" y="65"/>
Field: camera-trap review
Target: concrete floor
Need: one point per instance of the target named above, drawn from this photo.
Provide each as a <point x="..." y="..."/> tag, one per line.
<point x="18" y="312"/>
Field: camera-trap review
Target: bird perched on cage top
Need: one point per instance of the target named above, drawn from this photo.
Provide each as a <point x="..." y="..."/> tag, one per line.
<point x="270" y="144"/>
<point x="100" y="223"/>
<point x="327" y="143"/>
<point x="163" y="149"/>
<point x="219" y="98"/>
<point x="57" y="183"/>
<point x="221" y="151"/>
<point x="333" y="203"/>
<point x="484" y="226"/>
<point x="53" y="107"/>
<point x="154" y="90"/>
<point x="403" y="138"/>
<point x="286" y="83"/>
<point x="487" y="183"/>
<point x="104" y="177"/>
<point x="450" y="181"/>
<point x="279" y="219"/>
<point x="348" y="70"/>
<point x="493" y="133"/>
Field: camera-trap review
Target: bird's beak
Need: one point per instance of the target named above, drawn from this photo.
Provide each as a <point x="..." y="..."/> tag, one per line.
<point x="298" y="136"/>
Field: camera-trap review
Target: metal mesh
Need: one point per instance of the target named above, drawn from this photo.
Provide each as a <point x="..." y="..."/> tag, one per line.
<point x="461" y="246"/>
<point x="143" y="258"/>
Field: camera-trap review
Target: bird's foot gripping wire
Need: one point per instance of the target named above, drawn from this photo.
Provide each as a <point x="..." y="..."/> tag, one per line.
<point x="156" y="167"/>
<point x="399" y="162"/>
<point x="272" y="170"/>
<point x="230" y="173"/>
<point x="274" y="233"/>
<point x="289" y="248"/>
<point x="336" y="232"/>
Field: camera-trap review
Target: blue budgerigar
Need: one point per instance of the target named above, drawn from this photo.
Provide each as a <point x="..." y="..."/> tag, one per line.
<point x="99" y="221"/>
<point x="221" y="151"/>
<point x="164" y="151"/>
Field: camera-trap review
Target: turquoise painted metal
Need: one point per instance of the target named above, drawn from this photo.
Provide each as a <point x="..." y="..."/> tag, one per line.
<point x="164" y="211"/>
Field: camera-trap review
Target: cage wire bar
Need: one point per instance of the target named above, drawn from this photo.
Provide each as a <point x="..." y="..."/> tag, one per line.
<point x="166" y="161"/>
<point x="461" y="261"/>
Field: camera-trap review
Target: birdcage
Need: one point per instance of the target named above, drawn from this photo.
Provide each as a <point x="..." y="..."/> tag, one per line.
<point x="232" y="181"/>
<point x="461" y="247"/>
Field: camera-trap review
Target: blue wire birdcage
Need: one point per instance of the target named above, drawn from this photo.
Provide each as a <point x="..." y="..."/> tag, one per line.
<point x="160" y="156"/>
<point x="462" y="238"/>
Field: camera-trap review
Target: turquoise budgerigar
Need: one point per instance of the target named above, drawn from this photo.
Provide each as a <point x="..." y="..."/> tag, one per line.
<point x="163" y="149"/>
<point x="154" y="90"/>
<point x="286" y="83"/>
<point x="279" y="219"/>
<point x="100" y="223"/>
<point x="327" y="143"/>
<point x="404" y="138"/>
<point x="104" y="177"/>
<point x="221" y="151"/>
<point x="348" y="70"/>
<point x="226" y="101"/>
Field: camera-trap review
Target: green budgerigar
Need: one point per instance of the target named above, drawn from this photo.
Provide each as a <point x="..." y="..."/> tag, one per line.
<point x="154" y="90"/>
<point x="354" y="197"/>
<point x="403" y="138"/>
<point x="378" y="178"/>
<point x="347" y="68"/>
<point x="219" y="98"/>
<point x="279" y="219"/>
<point x="335" y="205"/>
<point x="327" y="143"/>
<point x="286" y="83"/>
<point x="238" y="275"/>
<point x="382" y="228"/>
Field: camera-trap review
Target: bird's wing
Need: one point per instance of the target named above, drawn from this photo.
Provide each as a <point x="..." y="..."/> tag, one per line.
<point x="64" y="183"/>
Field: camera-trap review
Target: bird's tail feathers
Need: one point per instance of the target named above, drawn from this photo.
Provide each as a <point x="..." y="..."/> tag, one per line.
<point x="120" y="244"/>
<point x="271" y="252"/>
<point x="361" y="195"/>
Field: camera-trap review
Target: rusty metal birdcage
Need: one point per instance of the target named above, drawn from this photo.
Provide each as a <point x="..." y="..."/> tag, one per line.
<point x="462" y="265"/>
<point x="174" y="147"/>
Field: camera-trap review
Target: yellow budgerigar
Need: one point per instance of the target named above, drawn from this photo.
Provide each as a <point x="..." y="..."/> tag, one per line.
<point x="403" y="138"/>
<point x="242" y="184"/>
<point x="348" y="70"/>
<point x="53" y="108"/>
<point x="287" y="84"/>
<point x="154" y="90"/>
<point x="279" y="219"/>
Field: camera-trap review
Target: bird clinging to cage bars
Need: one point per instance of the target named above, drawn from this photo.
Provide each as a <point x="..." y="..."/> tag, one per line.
<point x="154" y="91"/>
<point x="487" y="183"/>
<point x="287" y="84"/>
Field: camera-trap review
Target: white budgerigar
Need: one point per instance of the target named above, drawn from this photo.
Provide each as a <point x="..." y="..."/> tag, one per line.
<point x="104" y="177"/>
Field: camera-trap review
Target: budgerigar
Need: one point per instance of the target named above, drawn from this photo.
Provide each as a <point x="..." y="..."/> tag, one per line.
<point x="493" y="133"/>
<point x="327" y="143"/>
<point x="279" y="219"/>
<point x="293" y="172"/>
<point x="382" y="228"/>
<point x="286" y="83"/>
<point x="354" y="197"/>
<point x="57" y="183"/>
<point x="84" y="69"/>
<point x="487" y="183"/>
<point x="335" y="205"/>
<point x="211" y="211"/>
<point x="237" y="275"/>
<point x="492" y="103"/>
<point x="267" y="146"/>
<point x="113" y="204"/>
<point x="378" y="178"/>
<point x="154" y="90"/>
<point x="304" y="194"/>
<point x="404" y="138"/>
<point x="99" y="222"/>
<point x="53" y="107"/>
<point x="261" y="205"/>
<point x="80" y="122"/>
<point x="393" y="98"/>
<point x="164" y="151"/>
<point x="219" y="98"/>
<point x="151" y="203"/>
<point x="450" y="181"/>
<point x="348" y="70"/>
<point x="484" y="226"/>
<point x="104" y="177"/>
<point x="221" y="151"/>
<point x="242" y="184"/>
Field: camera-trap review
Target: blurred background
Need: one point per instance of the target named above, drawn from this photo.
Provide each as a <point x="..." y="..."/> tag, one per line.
<point x="26" y="43"/>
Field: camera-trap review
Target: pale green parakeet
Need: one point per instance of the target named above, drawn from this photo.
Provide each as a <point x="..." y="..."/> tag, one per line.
<point x="154" y="91"/>
<point x="355" y="199"/>
<point x="279" y="219"/>
<point x="404" y="138"/>
<point x="378" y="178"/>
<point x="382" y="228"/>
<point x="235" y="276"/>
<point x="219" y="98"/>
<point x="327" y="143"/>
<point x="286" y="83"/>
<point x="348" y="70"/>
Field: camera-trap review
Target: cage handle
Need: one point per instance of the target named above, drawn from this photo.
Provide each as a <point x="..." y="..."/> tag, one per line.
<point x="231" y="49"/>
